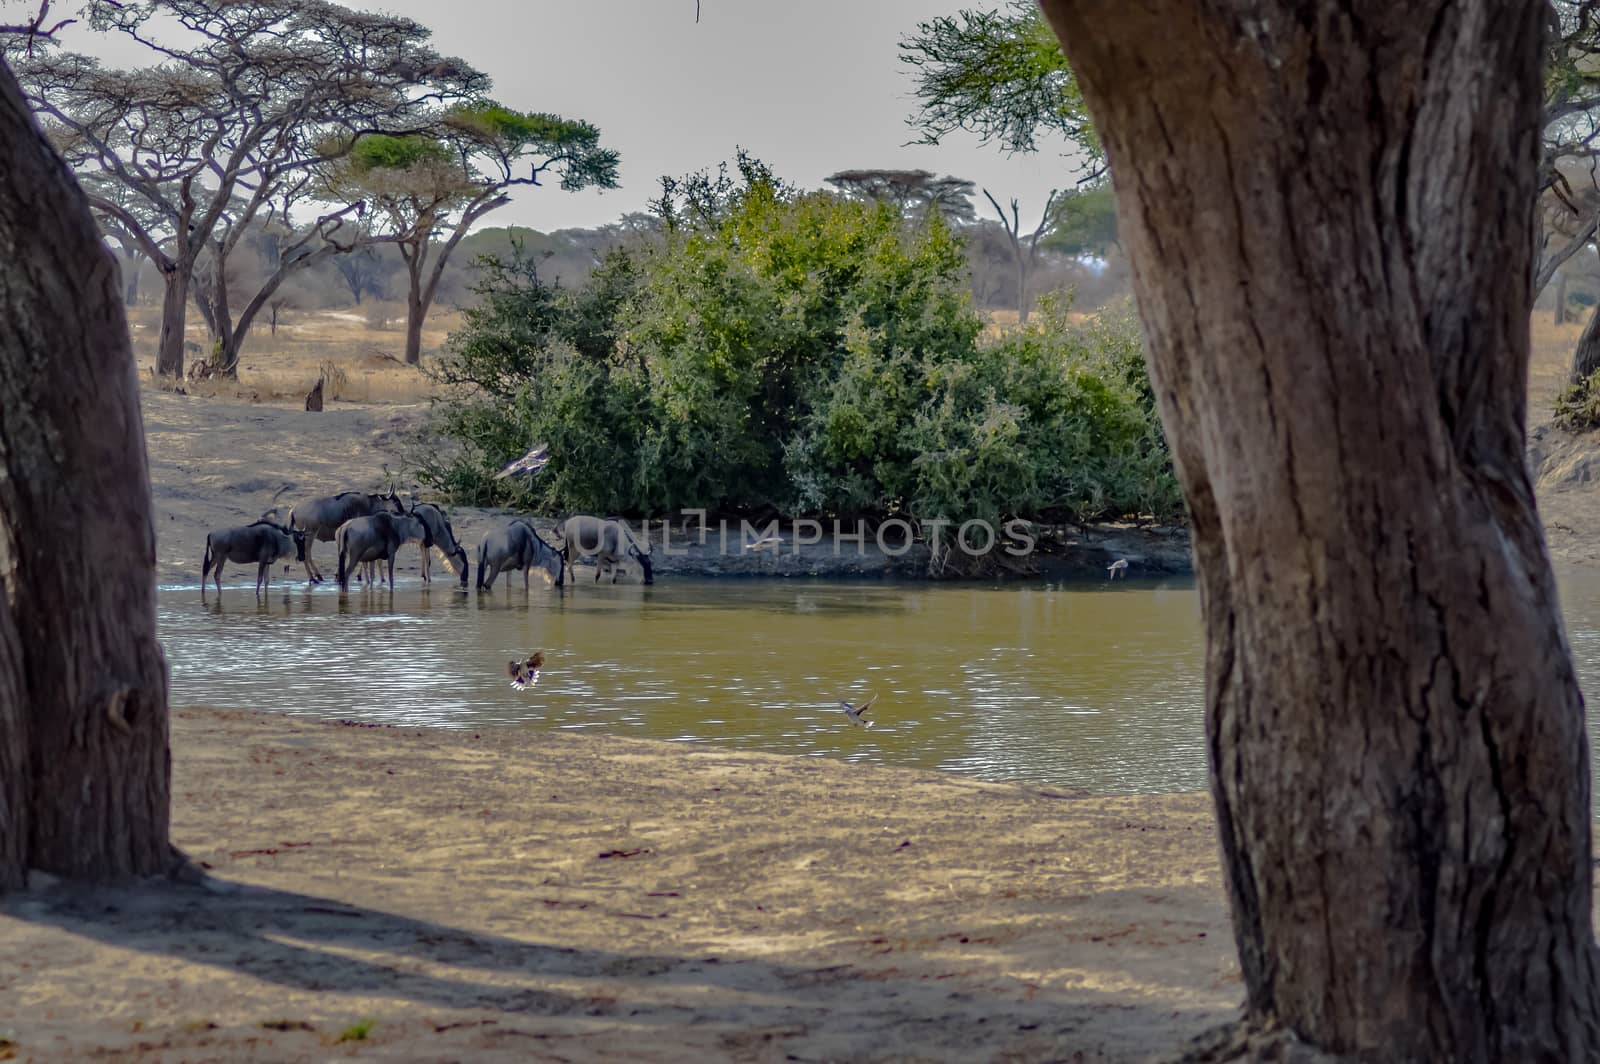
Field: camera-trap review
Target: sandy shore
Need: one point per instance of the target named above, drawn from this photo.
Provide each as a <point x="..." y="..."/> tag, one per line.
<point x="512" y="896"/>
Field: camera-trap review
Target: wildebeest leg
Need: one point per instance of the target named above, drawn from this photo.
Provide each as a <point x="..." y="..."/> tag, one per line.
<point x="426" y="565"/>
<point x="263" y="574"/>
<point x="391" y="570"/>
<point x="217" y="573"/>
<point x="527" y="571"/>
<point x="487" y="571"/>
<point x="313" y="570"/>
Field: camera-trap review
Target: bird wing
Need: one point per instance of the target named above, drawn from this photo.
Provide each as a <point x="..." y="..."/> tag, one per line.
<point x="863" y="707"/>
<point x="536" y="662"/>
<point x="531" y="462"/>
<point x="512" y="668"/>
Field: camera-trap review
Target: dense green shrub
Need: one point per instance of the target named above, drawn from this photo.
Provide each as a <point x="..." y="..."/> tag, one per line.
<point x="1578" y="405"/>
<point x="798" y="351"/>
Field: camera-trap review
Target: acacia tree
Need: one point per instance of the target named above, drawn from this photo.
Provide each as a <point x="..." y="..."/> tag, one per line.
<point x="910" y="191"/>
<point x="999" y="74"/>
<point x="293" y="248"/>
<point x="1335" y="287"/>
<point x="429" y="190"/>
<point x="243" y="102"/>
<point x="84" y="768"/>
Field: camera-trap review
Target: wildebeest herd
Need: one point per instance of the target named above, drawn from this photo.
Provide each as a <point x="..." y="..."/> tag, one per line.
<point x="368" y="529"/>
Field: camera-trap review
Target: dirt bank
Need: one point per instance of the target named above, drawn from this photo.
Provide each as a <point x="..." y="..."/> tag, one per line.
<point x="517" y="896"/>
<point x="218" y="462"/>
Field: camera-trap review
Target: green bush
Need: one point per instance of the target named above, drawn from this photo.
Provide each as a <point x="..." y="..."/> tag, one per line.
<point x="798" y="351"/>
<point x="1578" y="405"/>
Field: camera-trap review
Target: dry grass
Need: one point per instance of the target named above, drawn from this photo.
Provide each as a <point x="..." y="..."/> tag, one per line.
<point x="361" y="357"/>
<point x="1552" y="358"/>
<point x="362" y="363"/>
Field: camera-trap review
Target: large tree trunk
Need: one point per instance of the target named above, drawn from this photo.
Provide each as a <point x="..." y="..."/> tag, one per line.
<point x="1586" y="356"/>
<point x="1329" y="211"/>
<point x="83" y="684"/>
<point x="174" y="311"/>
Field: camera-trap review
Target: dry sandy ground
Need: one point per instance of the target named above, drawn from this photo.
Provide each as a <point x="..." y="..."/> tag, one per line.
<point x="507" y="896"/>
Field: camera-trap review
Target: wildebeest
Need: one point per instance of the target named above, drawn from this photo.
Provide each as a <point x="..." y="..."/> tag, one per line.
<point x="608" y="540"/>
<point x="263" y="542"/>
<point x="377" y="537"/>
<point x="321" y="517"/>
<point x="517" y="546"/>
<point x="444" y="541"/>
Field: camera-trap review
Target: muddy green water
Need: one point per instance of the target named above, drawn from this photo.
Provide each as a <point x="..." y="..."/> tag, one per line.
<point x="1094" y="686"/>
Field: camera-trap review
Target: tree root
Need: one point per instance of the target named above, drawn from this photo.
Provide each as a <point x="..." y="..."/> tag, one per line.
<point x="1256" y="1041"/>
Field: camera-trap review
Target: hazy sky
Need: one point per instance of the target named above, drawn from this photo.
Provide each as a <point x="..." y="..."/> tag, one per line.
<point x="809" y="86"/>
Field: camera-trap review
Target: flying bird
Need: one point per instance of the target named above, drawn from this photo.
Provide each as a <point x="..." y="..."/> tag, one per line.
<point x="858" y="713"/>
<point x="771" y="541"/>
<point x="531" y="462"/>
<point x="1117" y="568"/>
<point x="525" y="674"/>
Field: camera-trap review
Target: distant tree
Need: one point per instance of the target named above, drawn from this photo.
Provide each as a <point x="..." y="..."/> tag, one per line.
<point x="362" y="270"/>
<point x="428" y="191"/>
<point x="1024" y="246"/>
<point x="85" y="782"/>
<point x="239" y="109"/>
<point x="912" y="191"/>
<point x="1083" y="222"/>
<point x="999" y="74"/>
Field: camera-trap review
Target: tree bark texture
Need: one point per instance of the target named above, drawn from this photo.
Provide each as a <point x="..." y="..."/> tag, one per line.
<point x="174" y="313"/>
<point x="1586" y="356"/>
<point x="84" y="768"/>
<point x="1329" y="210"/>
<point x="1559" y="316"/>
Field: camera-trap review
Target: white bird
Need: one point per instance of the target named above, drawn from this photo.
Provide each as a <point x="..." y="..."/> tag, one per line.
<point x="771" y="541"/>
<point x="531" y="462"/>
<point x="858" y="713"/>
<point x="1117" y="568"/>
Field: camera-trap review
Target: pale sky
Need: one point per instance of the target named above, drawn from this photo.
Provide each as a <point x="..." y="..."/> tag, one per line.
<point x="808" y="86"/>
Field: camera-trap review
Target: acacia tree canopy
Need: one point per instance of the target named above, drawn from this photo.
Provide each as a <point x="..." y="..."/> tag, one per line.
<point x="911" y="190"/>
<point x="429" y="189"/>
<point x="235" y="116"/>
<point x="1000" y="74"/>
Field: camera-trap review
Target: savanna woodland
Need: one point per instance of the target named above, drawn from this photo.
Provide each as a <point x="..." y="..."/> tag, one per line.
<point x="1336" y="220"/>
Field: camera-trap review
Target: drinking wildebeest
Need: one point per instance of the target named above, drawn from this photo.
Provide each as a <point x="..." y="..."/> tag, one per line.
<point x="517" y="546"/>
<point x="321" y="517"/>
<point x="444" y="541"/>
<point x="263" y="542"/>
<point x="609" y="541"/>
<point x="377" y="538"/>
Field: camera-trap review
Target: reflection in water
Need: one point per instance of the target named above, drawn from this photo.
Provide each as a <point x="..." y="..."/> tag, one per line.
<point x="1093" y="686"/>
<point x="1087" y="685"/>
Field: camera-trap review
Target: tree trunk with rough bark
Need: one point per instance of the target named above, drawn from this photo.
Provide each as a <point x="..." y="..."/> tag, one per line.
<point x="416" y="314"/>
<point x="1586" y="356"/>
<point x="1329" y="212"/>
<point x="174" y="312"/>
<point x="1559" y="315"/>
<point x="84" y="768"/>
